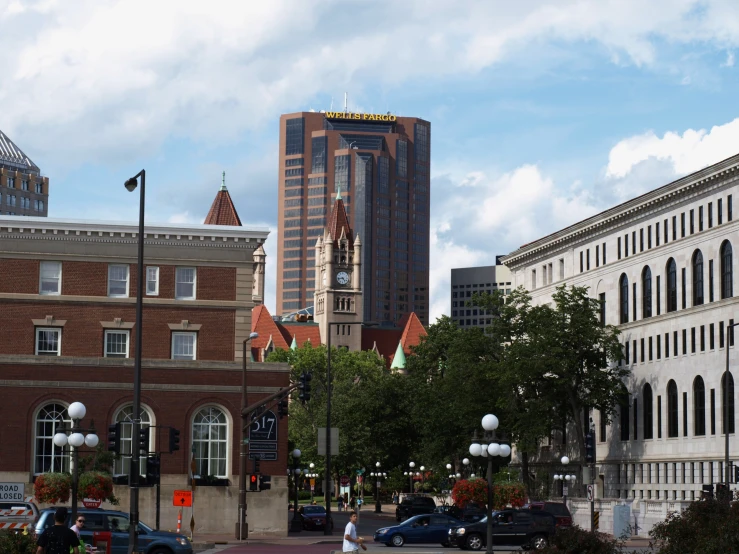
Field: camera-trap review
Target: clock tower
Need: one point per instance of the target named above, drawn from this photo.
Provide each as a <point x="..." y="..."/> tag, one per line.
<point x="338" y="293"/>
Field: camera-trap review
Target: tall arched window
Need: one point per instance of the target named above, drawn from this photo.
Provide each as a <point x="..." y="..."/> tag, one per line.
<point x="672" y="414"/>
<point x="646" y="288"/>
<point x="671" y="289"/>
<point x="727" y="272"/>
<point x="699" y="406"/>
<point x="210" y="442"/>
<point x="122" y="466"/>
<point x="648" y="411"/>
<point x="48" y="456"/>
<point x="728" y="403"/>
<point x="697" y="278"/>
<point x="624" y="413"/>
<point x="623" y="287"/>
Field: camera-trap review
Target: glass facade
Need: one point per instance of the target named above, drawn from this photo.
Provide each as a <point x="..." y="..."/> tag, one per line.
<point x="364" y="182"/>
<point x="342" y="173"/>
<point x="294" y="136"/>
<point x="319" y="151"/>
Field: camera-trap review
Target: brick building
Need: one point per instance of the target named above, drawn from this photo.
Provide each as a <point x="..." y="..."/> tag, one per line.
<point x="23" y="190"/>
<point x="67" y="311"/>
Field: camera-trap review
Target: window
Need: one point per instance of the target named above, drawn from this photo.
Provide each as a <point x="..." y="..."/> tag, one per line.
<point x="602" y="302"/>
<point x="624" y="412"/>
<point x="626" y="245"/>
<point x="597" y="255"/>
<point x="185" y="278"/>
<point x="729" y="209"/>
<point x="671" y="285"/>
<point x="684" y="290"/>
<point x="727" y="278"/>
<point x="210" y="442"/>
<point x="294" y="131"/>
<point x="184" y="345"/>
<point x="122" y="465"/>
<point x="647" y="415"/>
<point x="624" y="298"/>
<point x="710" y="280"/>
<point x="728" y="407"/>
<point x="656" y="232"/>
<point x="319" y="148"/>
<point x="587" y="259"/>
<point x="720" y="210"/>
<point x="672" y="410"/>
<point x="50" y="278"/>
<point x="24" y="184"/>
<point x="641" y="240"/>
<point x="658" y="296"/>
<point x="618" y="247"/>
<point x="152" y="281"/>
<point x="682" y="225"/>
<point x="48" y="341"/>
<point x="692" y="221"/>
<point x="646" y="279"/>
<point x="659" y="416"/>
<point x="697" y="278"/>
<point x="50" y="419"/>
<point x="118" y="280"/>
<point x="582" y="266"/>
<point x="604" y="253"/>
<point x="116" y="344"/>
<point x="711" y="336"/>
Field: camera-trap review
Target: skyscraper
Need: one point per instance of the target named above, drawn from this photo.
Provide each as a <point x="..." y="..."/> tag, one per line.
<point x="380" y="165"/>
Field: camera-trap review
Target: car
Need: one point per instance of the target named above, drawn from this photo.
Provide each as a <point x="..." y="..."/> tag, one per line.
<point x="429" y="528"/>
<point x="313" y="517"/>
<point x="559" y="510"/>
<point x="117" y="524"/>
<point x="414" y="506"/>
<point x="470" y="513"/>
<point x="16" y="515"/>
<point x="528" y="529"/>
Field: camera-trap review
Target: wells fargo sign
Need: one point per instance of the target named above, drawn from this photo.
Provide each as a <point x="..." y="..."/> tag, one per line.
<point x="361" y="116"/>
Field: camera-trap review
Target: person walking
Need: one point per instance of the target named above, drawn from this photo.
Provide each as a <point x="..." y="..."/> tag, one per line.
<point x="351" y="541"/>
<point x="352" y="503"/>
<point x="340" y="503"/>
<point x="58" y="539"/>
<point x="77" y="527"/>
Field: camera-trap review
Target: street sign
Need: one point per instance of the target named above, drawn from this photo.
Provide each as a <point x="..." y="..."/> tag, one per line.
<point x="12" y="491"/>
<point x="182" y="499"/>
<point x="344" y="480"/>
<point x="263" y="437"/>
<point x="91" y="502"/>
<point x="591" y="493"/>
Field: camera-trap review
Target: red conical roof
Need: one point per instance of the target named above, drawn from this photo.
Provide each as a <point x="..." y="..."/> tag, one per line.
<point x="339" y="222"/>
<point x="222" y="211"/>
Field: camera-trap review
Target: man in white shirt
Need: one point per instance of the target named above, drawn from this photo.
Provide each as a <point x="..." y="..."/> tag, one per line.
<point x="351" y="541"/>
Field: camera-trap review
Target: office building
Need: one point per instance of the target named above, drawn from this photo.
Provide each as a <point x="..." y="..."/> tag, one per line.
<point x="467" y="281"/>
<point x="380" y="166"/>
<point x="23" y="190"/>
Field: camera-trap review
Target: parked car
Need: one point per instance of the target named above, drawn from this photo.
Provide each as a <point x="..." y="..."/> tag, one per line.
<point x="414" y="506"/>
<point x="471" y="513"/>
<point x="313" y="517"/>
<point x="431" y="528"/>
<point x="16" y="515"/>
<point x="559" y="510"/>
<point x="117" y="524"/>
<point x="531" y="530"/>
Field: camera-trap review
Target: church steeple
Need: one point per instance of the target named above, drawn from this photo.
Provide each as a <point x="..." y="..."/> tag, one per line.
<point x="222" y="211"/>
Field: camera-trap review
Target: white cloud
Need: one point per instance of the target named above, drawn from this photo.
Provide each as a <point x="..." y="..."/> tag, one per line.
<point x="729" y="60"/>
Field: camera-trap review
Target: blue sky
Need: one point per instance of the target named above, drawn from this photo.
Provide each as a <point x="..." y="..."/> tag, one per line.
<point x="542" y="113"/>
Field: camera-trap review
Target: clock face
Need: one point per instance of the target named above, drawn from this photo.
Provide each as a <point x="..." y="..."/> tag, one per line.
<point x="342" y="277"/>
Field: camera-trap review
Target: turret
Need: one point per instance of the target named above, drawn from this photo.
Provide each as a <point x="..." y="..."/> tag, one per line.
<point x="257" y="290"/>
<point x="356" y="281"/>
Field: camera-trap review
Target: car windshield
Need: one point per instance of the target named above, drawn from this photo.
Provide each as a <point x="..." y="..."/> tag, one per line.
<point x="314" y="510"/>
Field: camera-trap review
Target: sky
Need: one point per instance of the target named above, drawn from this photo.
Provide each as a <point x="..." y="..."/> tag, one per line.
<point x="542" y="112"/>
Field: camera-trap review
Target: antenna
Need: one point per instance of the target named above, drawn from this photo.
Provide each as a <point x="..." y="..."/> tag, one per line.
<point x="346" y="97"/>
<point x="332" y="105"/>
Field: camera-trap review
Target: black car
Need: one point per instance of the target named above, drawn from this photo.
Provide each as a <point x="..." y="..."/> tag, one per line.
<point x="528" y="529"/>
<point x="470" y="513"/>
<point x="414" y="506"/>
<point x="313" y="517"/>
<point x="559" y="510"/>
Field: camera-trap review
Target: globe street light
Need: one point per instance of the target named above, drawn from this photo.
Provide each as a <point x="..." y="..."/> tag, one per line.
<point x="423" y="481"/>
<point x="466" y="463"/>
<point x="564" y="478"/>
<point x="410" y="473"/>
<point x="378" y="506"/>
<point x="295" y="524"/>
<point x="489" y="449"/>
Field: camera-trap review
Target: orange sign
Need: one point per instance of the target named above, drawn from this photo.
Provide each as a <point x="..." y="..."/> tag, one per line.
<point x="182" y="499"/>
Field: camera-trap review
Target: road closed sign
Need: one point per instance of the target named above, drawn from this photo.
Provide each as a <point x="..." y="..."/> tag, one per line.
<point x="183" y="499"/>
<point x="12" y="491"/>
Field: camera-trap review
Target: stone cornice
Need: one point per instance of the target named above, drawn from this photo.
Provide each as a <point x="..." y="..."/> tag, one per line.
<point x="103" y="385"/>
<point x="42" y="299"/>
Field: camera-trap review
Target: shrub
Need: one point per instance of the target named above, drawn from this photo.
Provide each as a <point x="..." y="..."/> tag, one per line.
<point x="705" y="527"/>
<point x="476" y="491"/>
<point x="52" y="488"/>
<point x="575" y="540"/>
<point x="17" y="543"/>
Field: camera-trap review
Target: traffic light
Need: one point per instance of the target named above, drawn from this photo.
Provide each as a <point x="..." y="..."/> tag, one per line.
<point x="114" y="438"/>
<point x="256" y="465"/>
<point x="153" y="465"/>
<point x="304" y="386"/>
<point x="253" y="483"/>
<point x="707" y="491"/>
<point x="282" y="407"/>
<point x="590" y="448"/>
<point x="174" y="439"/>
<point x="265" y="482"/>
<point x="144" y="439"/>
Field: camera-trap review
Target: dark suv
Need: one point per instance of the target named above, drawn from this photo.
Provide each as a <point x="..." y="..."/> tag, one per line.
<point x="559" y="510"/>
<point x="414" y="506"/>
<point x="531" y="530"/>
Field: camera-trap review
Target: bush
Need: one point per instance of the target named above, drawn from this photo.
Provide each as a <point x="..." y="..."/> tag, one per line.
<point x="97" y="485"/>
<point x="575" y="540"/>
<point x="52" y="488"/>
<point x="476" y="491"/>
<point x="705" y="527"/>
<point x="17" y="543"/>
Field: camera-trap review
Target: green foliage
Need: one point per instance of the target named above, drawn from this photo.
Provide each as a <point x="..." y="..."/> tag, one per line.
<point x="52" y="487"/>
<point x="576" y="540"/>
<point x="97" y="485"/>
<point x="705" y="527"/>
<point x="101" y="460"/>
<point x="17" y="543"/>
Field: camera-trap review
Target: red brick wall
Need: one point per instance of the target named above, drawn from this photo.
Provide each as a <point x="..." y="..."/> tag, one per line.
<point x="85" y="279"/>
<point x="19" y="276"/>
<point x="216" y="283"/>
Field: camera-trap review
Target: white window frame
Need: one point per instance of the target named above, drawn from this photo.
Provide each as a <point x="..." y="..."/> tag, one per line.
<point x="41" y="278"/>
<point x="122" y="465"/>
<point x="211" y="440"/>
<point x="155" y="270"/>
<point x="194" y="336"/>
<point x="126" y="333"/>
<point x="128" y="280"/>
<point x="57" y="330"/>
<point x="194" y="282"/>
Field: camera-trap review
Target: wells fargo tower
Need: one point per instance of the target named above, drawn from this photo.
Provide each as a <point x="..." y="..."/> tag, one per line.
<point x="379" y="164"/>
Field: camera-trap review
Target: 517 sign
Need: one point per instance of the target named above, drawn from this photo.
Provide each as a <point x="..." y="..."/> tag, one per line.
<point x="263" y="437"/>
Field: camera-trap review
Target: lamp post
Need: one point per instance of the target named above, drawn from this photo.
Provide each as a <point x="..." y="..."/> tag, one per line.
<point x="423" y="480"/>
<point x="487" y="450"/>
<point x="133" y="476"/>
<point x="328" y="528"/>
<point x="296" y="524"/>
<point x="242" y="526"/>
<point x="378" y="506"/>
<point x="76" y="439"/>
<point x="727" y="469"/>
<point x="466" y="464"/>
<point x="565" y="478"/>
<point x="410" y="473"/>
<point x="311" y="475"/>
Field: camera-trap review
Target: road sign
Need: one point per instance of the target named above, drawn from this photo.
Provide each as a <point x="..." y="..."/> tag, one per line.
<point x="263" y="437"/>
<point x="12" y="491"/>
<point x="91" y="502"/>
<point x="182" y="499"/>
<point x="591" y="493"/>
<point x="344" y="481"/>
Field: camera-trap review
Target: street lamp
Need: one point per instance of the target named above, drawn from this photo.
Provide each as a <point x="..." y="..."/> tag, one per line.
<point x="378" y="506"/>
<point x="466" y="464"/>
<point x="488" y="450"/>
<point x="296" y="524"/>
<point x="133" y="480"/>
<point x="76" y="439"/>
<point x="311" y="475"/>
<point x="569" y="478"/>
<point x="242" y="525"/>
<point x="727" y="469"/>
<point x="422" y="468"/>
<point x="410" y="473"/>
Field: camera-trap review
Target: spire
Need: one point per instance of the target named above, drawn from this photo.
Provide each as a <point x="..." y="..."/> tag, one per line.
<point x="399" y="358"/>
<point x="294" y="345"/>
<point x="338" y="191"/>
<point x="222" y="211"/>
<point x="223" y="182"/>
<point x="338" y="224"/>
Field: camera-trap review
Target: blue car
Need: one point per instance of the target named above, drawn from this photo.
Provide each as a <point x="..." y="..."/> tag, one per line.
<point x="429" y="528"/>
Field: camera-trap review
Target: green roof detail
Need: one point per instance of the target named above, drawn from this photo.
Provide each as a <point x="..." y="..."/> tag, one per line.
<point x="399" y="358"/>
<point x="294" y="345"/>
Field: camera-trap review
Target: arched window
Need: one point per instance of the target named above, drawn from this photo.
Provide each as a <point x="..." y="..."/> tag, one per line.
<point x="122" y="466"/>
<point x="699" y="406"/>
<point x="624" y="413"/>
<point x="672" y="415"/>
<point x="49" y="457"/>
<point x="728" y="403"/>
<point x="648" y="412"/>
<point x="646" y="287"/>
<point x="210" y="442"/>
<point x="697" y="278"/>
<point x="623" y="287"/>
<point x="727" y="273"/>
<point x="671" y="285"/>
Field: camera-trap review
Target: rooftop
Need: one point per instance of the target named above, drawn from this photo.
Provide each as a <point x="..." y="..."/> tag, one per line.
<point x="13" y="156"/>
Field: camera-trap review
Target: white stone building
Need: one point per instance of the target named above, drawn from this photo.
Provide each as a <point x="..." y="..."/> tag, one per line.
<point x="662" y="265"/>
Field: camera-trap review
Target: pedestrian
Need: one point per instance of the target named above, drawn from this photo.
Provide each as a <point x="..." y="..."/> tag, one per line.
<point x="77" y="527"/>
<point x="395" y="497"/>
<point x="340" y="503"/>
<point x="360" y="500"/>
<point x="351" y="541"/>
<point x="58" y="539"/>
<point x="352" y="503"/>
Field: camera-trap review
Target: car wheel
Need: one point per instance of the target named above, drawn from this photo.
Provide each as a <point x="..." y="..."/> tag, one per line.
<point x="539" y="542"/>
<point x="397" y="540"/>
<point x="474" y="542"/>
